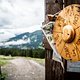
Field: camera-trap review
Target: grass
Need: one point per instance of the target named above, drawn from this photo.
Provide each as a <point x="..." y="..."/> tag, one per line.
<point x="2" y="62"/>
<point x="38" y="60"/>
<point x="4" y="59"/>
<point x="3" y="76"/>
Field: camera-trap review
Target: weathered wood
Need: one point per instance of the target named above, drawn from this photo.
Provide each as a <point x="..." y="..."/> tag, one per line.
<point x="67" y="21"/>
<point x="48" y="65"/>
<point x="46" y="44"/>
<point x="52" y="7"/>
<point x="53" y="69"/>
<point x="68" y="2"/>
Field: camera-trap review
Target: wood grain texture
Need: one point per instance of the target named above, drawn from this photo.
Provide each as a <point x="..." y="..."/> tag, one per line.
<point x="53" y="69"/>
<point x="67" y="30"/>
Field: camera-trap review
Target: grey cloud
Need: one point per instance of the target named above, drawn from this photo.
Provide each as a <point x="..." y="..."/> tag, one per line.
<point x="21" y="13"/>
<point x="4" y="22"/>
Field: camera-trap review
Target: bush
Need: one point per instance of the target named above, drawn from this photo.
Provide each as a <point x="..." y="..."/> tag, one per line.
<point x="38" y="53"/>
<point x="30" y="53"/>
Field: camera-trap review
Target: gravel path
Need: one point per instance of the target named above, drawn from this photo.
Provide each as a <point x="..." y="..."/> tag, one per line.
<point x="22" y="69"/>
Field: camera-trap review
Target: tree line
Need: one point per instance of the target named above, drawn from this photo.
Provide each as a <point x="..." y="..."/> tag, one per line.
<point x="34" y="53"/>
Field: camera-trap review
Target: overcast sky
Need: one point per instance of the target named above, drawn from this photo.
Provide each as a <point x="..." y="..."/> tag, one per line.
<point x="18" y="16"/>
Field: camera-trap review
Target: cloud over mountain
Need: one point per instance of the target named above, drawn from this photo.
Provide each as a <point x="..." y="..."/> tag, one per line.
<point x="24" y="40"/>
<point x="20" y="16"/>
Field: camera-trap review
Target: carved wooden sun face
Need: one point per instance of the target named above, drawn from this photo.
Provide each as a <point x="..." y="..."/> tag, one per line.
<point x="66" y="33"/>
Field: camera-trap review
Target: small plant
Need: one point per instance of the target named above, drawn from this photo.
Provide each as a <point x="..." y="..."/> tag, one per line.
<point x="2" y="76"/>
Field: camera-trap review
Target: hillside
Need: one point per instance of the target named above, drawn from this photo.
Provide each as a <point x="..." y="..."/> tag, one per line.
<point x="25" y="40"/>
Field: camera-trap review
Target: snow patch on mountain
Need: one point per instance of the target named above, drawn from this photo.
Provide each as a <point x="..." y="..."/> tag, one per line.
<point x="24" y="40"/>
<point x="25" y="36"/>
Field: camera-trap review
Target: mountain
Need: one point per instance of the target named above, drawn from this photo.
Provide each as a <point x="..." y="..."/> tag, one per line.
<point x="25" y="40"/>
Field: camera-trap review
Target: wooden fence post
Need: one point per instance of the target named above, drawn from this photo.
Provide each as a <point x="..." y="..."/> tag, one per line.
<point x="53" y="69"/>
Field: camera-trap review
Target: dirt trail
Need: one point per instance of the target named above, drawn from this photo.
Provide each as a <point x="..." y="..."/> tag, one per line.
<point x="22" y="69"/>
